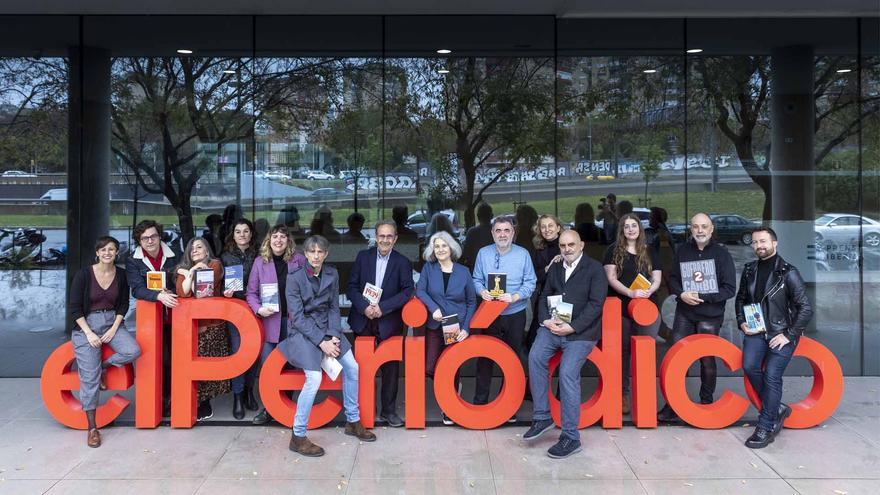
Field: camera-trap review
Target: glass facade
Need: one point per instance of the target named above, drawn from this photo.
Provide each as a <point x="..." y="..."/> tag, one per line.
<point x="329" y="123"/>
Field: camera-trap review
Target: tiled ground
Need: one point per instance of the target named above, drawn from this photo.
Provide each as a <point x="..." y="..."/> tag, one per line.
<point x="841" y="456"/>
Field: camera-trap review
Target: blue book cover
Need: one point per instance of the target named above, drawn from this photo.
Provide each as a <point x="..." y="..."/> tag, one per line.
<point x="234" y="278"/>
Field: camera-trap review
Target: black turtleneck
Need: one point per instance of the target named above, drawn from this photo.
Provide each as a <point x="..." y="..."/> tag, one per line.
<point x="281" y="271"/>
<point x="765" y="267"/>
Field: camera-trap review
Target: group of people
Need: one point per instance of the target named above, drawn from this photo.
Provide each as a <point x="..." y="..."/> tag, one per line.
<point x="565" y="290"/>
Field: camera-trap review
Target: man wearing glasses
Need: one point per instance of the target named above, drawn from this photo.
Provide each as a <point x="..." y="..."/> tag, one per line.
<point x="503" y="257"/>
<point x="153" y="255"/>
<point x="382" y="267"/>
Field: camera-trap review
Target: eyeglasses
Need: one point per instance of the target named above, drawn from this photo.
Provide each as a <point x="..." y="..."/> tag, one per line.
<point x="150" y="238"/>
<point x="497" y="261"/>
<point x="386" y="237"/>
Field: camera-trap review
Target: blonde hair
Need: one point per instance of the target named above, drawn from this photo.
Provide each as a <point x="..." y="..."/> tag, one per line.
<point x="266" y="249"/>
<point x="538" y="241"/>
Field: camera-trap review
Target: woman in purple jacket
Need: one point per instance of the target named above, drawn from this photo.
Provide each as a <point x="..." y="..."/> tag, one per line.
<point x="269" y="275"/>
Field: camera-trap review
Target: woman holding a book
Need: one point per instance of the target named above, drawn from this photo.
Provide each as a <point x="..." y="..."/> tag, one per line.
<point x="238" y="259"/>
<point x="633" y="271"/>
<point x="266" y="284"/>
<point x="200" y="275"/>
<point x="447" y="291"/>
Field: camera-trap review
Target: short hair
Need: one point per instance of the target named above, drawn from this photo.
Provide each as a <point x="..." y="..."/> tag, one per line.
<point x="454" y="246"/>
<point x="504" y="219"/>
<point x="144" y="226"/>
<point x="612" y="196"/>
<point x="104" y="240"/>
<point x="399" y="213"/>
<point x="316" y="241"/>
<point x="213" y="220"/>
<point x="389" y="223"/>
<point x="355" y="217"/>
<point x="766" y="229"/>
<point x="484" y="212"/>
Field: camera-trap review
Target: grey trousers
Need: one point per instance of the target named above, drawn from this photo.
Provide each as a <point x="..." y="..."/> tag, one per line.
<point x="88" y="358"/>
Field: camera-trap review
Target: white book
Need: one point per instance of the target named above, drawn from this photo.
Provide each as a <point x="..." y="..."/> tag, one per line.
<point x="372" y="293"/>
<point x="331" y="366"/>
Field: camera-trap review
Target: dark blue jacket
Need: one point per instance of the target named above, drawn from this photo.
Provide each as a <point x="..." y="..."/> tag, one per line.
<point x="459" y="297"/>
<point x="136" y="267"/>
<point x="397" y="289"/>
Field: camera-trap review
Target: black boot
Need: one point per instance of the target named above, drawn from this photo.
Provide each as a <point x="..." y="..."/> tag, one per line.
<point x="667" y="415"/>
<point x="261" y="418"/>
<point x="250" y="402"/>
<point x="238" y="405"/>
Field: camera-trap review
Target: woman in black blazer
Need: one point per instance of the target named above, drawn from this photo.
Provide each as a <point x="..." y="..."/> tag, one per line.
<point x="98" y="303"/>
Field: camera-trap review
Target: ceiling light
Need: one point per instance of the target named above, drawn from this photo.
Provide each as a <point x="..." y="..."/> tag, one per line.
<point x="649" y="71"/>
<point x="444" y="51"/>
<point x="442" y="71"/>
<point x="843" y="71"/>
<point x="184" y="51"/>
<point x="695" y="50"/>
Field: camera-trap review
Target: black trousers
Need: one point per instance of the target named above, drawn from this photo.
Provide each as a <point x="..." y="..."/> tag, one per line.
<point x="510" y="329"/>
<point x="684" y="326"/>
<point x="390" y="374"/>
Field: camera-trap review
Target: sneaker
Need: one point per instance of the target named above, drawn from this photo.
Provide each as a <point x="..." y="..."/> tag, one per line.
<point x="445" y="419"/>
<point x="538" y="428"/>
<point x="261" y="418"/>
<point x="760" y="438"/>
<point x="564" y="448"/>
<point x="784" y="412"/>
<point x="205" y="411"/>
<point x="304" y="446"/>
<point x="357" y="429"/>
<point x="392" y="419"/>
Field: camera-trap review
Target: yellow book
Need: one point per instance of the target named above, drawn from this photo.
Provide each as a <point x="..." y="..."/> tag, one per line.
<point x="640" y="283"/>
<point x="155" y="280"/>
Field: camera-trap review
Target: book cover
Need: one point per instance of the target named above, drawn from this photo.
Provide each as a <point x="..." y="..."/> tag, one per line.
<point x="204" y="283"/>
<point x="269" y="296"/>
<point x="640" y="283"/>
<point x="699" y="276"/>
<point x="552" y="301"/>
<point x="451" y="327"/>
<point x="497" y="284"/>
<point x="233" y="278"/>
<point x="331" y="366"/>
<point x="754" y="319"/>
<point x="563" y="311"/>
<point x="156" y="280"/>
<point x="372" y="293"/>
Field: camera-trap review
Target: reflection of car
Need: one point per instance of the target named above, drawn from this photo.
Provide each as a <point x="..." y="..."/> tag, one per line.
<point x="319" y="175"/>
<point x="346" y="174"/>
<point x="842" y="228"/>
<point x="276" y="176"/>
<point x="418" y="221"/>
<point x="733" y="228"/>
<point x="325" y="192"/>
<point x="59" y="194"/>
<point x="17" y="173"/>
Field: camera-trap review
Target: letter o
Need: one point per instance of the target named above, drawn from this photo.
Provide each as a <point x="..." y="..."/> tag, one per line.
<point x="275" y="380"/>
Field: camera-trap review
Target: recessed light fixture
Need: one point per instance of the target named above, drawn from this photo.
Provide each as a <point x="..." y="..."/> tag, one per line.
<point x="184" y="51"/>
<point x="649" y="71"/>
<point x="843" y="71"/>
<point x="695" y="50"/>
<point x="228" y="71"/>
<point x="444" y="51"/>
<point x="442" y="71"/>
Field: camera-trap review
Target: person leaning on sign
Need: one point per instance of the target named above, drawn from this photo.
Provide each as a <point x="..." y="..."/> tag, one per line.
<point x="703" y="278"/>
<point x="579" y="281"/>
<point x="772" y="310"/>
<point x="505" y="258"/>
<point x="316" y="333"/>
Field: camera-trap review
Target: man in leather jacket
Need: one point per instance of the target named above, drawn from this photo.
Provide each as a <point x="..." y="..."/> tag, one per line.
<point x="778" y="289"/>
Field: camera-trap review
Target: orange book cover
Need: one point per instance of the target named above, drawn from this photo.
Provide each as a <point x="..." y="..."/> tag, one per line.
<point x="640" y="283"/>
<point x="156" y="280"/>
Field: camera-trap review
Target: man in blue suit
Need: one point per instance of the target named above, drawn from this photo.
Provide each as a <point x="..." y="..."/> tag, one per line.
<point x="389" y="270"/>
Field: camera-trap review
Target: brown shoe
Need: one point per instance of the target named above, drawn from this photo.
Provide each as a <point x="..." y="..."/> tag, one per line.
<point x="627" y="404"/>
<point x="94" y="438"/>
<point x="304" y="446"/>
<point x="357" y="429"/>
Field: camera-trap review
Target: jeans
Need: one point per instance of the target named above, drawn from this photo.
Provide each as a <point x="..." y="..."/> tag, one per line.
<point x="310" y="390"/>
<point x="682" y="327"/>
<point x="88" y="358"/>
<point x="767" y="383"/>
<point x="247" y="378"/>
<point x="574" y="355"/>
<point x="510" y="329"/>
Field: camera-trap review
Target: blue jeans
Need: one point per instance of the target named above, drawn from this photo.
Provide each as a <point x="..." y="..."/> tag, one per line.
<point x="766" y="382"/>
<point x="310" y="390"/>
<point x="574" y="355"/>
<point x="245" y="379"/>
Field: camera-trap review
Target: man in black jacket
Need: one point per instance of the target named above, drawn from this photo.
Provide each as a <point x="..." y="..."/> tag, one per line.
<point x="579" y="281"/>
<point x="703" y="278"/>
<point x="772" y="310"/>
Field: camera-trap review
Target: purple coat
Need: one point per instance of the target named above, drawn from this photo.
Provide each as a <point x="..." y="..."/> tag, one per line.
<point x="264" y="273"/>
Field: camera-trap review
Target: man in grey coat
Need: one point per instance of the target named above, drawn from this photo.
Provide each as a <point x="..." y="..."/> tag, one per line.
<point x="315" y="332"/>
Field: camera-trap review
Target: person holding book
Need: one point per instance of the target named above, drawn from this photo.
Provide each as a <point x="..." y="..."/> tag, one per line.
<point x="150" y="274"/>
<point x="446" y="290"/>
<point x="266" y="284"/>
<point x="384" y="271"/>
<point x="703" y="278"/>
<point x="503" y="271"/>
<point x="633" y="272"/>
<point x="772" y="310"/>
<point x="238" y="258"/>
<point x="570" y="312"/>
<point x="98" y="303"/>
<point x="200" y="275"/>
<point x="316" y="342"/>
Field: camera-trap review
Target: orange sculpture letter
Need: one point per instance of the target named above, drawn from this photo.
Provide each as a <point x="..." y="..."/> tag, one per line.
<point x="275" y="381"/>
<point x="370" y="357"/>
<point x="148" y="382"/>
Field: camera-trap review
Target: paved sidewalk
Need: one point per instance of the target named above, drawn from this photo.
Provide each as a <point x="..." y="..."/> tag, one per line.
<point x="841" y="456"/>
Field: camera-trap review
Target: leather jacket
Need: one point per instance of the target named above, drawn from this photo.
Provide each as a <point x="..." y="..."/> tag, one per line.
<point x="785" y="304"/>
